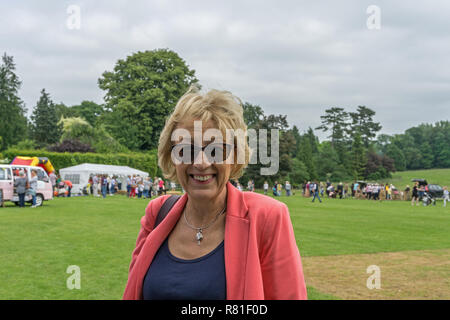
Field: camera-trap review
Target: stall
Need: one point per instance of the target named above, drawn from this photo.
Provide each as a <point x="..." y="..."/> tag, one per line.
<point x="79" y="174"/>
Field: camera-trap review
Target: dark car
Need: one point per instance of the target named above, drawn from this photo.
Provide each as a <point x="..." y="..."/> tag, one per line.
<point x="435" y="190"/>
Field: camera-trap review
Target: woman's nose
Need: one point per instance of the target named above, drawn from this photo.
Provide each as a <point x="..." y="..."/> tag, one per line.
<point x="201" y="160"/>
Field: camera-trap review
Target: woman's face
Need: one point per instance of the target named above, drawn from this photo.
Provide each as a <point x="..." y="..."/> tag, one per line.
<point x="201" y="179"/>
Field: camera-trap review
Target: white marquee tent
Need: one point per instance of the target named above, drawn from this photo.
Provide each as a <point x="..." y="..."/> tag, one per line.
<point x="79" y="175"/>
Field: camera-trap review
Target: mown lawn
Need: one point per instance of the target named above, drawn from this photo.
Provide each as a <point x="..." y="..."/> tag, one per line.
<point x="433" y="176"/>
<point x="98" y="235"/>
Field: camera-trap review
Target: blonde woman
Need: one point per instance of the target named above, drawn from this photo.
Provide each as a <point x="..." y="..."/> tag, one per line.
<point x="216" y="242"/>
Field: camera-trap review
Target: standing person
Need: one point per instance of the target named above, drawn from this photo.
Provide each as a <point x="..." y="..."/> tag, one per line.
<point x="213" y="224"/>
<point x="147" y="187"/>
<point x="33" y="187"/>
<point x="303" y="188"/>
<point x="104" y="182"/>
<point x="381" y="193"/>
<point x="376" y="191"/>
<point x="274" y="188"/>
<point x="95" y="185"/>
<point x="249" y="185"/>
<point x="355" y="189"/>
<point x="266" y="187"/>
<point x="21" y="183"/>
<point x="346" y="190"/>
<point x="340" y="189"/>
<point x="140" y="188"/>
<point x="68" y="183"/>
<point x="128" y="186"/>
<point x="307" y="192"/>
<point x="161" y="186"/>
<point x="445" y="196"/>
<point x="52" y="177"/>
<point x="406" y="193"/>
<point x="415" y="195"/>
<point x="89" y="186"/>
<point x="133" y="187"/>
<point x="112" y="186"/>
<point x="315" y="191"/>
<point x="279" y="187"/>
<point x="421" y="192"/>
<point x="287" y="187"/>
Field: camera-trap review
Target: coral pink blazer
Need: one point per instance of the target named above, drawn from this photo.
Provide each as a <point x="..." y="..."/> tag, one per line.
<point x="262" y="260"/>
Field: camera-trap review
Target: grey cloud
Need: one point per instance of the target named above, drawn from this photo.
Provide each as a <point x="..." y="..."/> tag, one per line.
<point x="292" y="57"/>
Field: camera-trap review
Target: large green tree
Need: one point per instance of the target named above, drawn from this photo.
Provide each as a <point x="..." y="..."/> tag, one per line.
<point x="45" y="126"/>
<point x="13" y="122"/>
<point x="88" y="110"/>
<point x="363" y="124"/>
<point x="141" y="92"/>
<point x="335" y="121"/>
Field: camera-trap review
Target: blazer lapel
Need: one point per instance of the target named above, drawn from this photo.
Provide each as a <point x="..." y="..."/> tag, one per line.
<point x="154" y="241"/>
<point x="236" y="243"/>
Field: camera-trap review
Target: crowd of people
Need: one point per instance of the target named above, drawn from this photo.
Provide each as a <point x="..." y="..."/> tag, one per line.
<point x="136" y="186"/>
<point x="358" y="190"/>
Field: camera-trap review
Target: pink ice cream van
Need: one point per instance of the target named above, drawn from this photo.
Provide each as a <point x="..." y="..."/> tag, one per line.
<point x="10" y="172"/>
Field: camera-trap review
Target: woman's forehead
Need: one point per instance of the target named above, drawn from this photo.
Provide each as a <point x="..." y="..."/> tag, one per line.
<point x="191" y="125"/>
<point x="198" y="130"/>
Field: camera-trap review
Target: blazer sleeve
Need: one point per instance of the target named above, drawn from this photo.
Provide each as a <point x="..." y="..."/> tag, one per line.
<point x="281" y="262"/>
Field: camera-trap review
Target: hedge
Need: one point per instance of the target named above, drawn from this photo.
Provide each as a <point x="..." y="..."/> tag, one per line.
<point x="146" y="162"/>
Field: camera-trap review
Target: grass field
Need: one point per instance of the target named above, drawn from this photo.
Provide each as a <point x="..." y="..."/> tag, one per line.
<point x="98" y="235"/>
<point x="433" y="176"/>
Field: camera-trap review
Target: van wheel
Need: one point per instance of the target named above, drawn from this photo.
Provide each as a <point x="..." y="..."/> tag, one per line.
<point x="39" y="200"/>
<point x="16" y="203"/>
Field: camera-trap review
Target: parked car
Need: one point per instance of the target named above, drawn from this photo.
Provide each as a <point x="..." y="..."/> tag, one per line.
<point x="435" y="190"/>
<point x="8" y="173"/>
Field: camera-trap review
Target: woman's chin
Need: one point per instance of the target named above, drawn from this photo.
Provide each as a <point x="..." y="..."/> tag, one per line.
<point x="202" y="194"/>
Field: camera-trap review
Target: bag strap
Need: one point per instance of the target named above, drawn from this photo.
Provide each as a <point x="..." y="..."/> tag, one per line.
<point x="165" y="208"/>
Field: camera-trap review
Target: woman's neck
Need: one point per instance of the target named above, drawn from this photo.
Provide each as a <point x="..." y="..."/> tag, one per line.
<point x="201" y="212"/>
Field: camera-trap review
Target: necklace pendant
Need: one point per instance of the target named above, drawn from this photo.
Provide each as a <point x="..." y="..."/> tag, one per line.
<point x="199" y="236"/>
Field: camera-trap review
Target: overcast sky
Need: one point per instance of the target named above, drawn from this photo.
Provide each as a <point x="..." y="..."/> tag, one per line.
<point x="290" y="57"/>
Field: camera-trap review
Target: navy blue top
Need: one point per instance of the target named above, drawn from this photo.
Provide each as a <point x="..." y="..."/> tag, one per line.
<point x="172" y="278"/>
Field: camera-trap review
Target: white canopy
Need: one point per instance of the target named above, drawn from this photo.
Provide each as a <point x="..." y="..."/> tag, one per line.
<point x="79" y="174"/>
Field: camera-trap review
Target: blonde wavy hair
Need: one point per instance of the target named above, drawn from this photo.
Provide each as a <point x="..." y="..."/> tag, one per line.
<point x="222" y="107"/>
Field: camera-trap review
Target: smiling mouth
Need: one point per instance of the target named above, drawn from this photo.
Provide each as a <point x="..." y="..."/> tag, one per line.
<point x="203" y="177"/>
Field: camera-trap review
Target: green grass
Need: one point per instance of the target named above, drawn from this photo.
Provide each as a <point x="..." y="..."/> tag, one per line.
<point x="434" y="176"/>
<point x="98" y="235"/>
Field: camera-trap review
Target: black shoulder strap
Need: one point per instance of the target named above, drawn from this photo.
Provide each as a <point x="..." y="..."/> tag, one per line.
<point x="165" y="208"/>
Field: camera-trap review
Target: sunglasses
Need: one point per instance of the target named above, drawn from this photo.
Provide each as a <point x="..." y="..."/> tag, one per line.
<point x="215" y="152"/>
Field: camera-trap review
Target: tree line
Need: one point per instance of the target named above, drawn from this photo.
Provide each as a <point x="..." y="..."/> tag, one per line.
<point x="142" y="90"/>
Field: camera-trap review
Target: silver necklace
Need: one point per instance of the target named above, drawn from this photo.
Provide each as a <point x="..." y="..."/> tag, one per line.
<point x="199" y="235"/>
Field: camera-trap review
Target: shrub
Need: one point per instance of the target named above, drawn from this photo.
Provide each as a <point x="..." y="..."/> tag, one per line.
<point x="71" y="145"/>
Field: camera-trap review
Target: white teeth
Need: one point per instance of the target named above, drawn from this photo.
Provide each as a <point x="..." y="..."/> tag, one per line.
<point x="202" y="178"/>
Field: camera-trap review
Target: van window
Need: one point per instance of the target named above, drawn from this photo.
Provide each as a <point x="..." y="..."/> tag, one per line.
<point x="5" y="174"/>
<point x="42" y="176"/>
